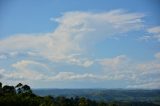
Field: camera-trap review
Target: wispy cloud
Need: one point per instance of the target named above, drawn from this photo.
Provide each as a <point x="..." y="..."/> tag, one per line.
<point x="74" y="31"/>
<point x="153" y="33"/>
<point x="113" y="63"/>
<point x="137" y="75"/>
<point x="140" y="75"/>
<point x="3" y="56"/>
<point x="25" y="63"/>
<point x="74" y="76"/>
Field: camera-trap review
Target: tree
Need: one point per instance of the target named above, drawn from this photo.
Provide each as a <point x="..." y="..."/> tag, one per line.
<point x="113" y="104"/>
<point x="26" y="88"/>
<point x="19" y="88"/>
<point x="0" y="85"/>
<point x="0" y="88"/>
<point x="8" y="89"/>
<point x="19" y="85"/>
<point x="83" y="102"/>
<point x="23" y="88"/>
<point x="102" y="104"/>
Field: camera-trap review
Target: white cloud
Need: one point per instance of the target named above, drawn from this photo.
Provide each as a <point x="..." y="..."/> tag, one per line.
<point x="13" y="54"/>
<point x="87" y="26"/>
<point x="24" y="64"/>
<point x="153" y="33"/>
<point x="114" y="63"/>
<point x="29" y="70"/>
<point x="146" y="74"/>
<point x="74" y="76"/>
<point x="3" y="56"/>
<point x="5" y="75"/>
<point x="7" y="55"/>
<point x="117" y="68"/>
<point x="148" y="85"/>
<point x="140" y="75"/>
<point x="25" y="75"/>
<point x="72" y="36"/>
<point x="74" y="32"/>
<point x="81" y="61"/>
<point x="155" y="30"/>
<point x="149" y="67"/>
<point x="1" y="73"/>
<point x="157" y="55"/>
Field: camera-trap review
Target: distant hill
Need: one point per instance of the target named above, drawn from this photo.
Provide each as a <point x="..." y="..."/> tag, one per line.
<point x="105" y="94"/>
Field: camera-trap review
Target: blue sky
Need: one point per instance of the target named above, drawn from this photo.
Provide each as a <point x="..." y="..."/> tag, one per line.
<point x="80" y="44"/>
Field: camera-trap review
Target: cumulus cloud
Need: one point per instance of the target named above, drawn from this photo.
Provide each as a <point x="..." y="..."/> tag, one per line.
<point x="114" y="63"/>
<point x="33" y="70"/>
<point x="5" y="75"/>
<point x="151" y="66"/>
<point x="29" y="70"/>
<point x="26" y="75"/>
<point x="24" y="63"/>
<point x="80" y="61"/>
<point x="117" y="68"/>
<point x="74" y="31"/>
<point x="120" y="68"/>
<point x="23" y="71"/>
<point x="138" y="75"/>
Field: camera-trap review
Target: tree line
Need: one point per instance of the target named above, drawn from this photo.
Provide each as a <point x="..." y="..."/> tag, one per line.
<point x="22" y="95"/>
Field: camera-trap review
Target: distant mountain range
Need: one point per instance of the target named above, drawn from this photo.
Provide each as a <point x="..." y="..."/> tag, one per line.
<point x="105" y="94"/>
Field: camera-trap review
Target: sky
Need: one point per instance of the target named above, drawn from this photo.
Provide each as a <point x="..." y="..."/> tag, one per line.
<point x="80" y="43"/>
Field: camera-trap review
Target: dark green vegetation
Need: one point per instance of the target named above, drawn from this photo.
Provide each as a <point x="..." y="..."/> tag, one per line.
<point x="21" y="95"/>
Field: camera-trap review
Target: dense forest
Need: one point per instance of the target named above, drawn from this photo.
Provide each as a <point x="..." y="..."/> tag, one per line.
<point x="22" y="95"/>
